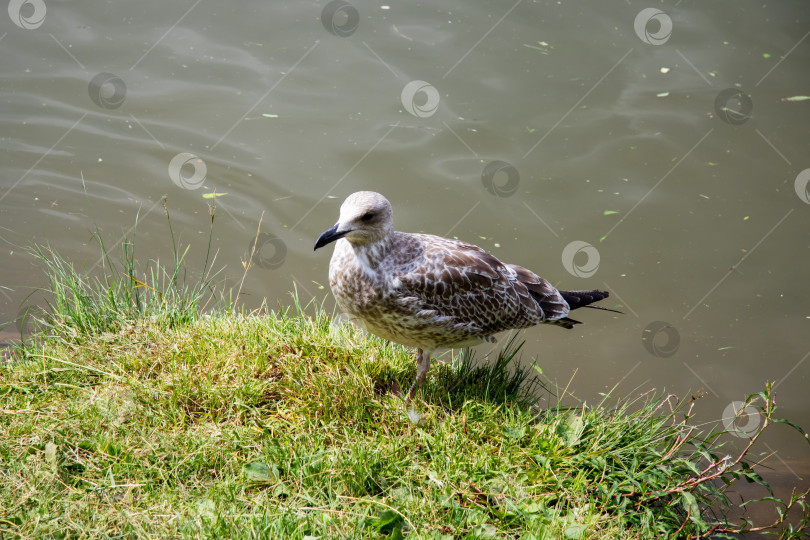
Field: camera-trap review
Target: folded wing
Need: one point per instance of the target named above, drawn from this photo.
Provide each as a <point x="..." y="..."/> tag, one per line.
<point x="469" y="291"/>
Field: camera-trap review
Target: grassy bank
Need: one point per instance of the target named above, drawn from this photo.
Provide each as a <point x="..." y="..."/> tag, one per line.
<point x="148" y="420"/>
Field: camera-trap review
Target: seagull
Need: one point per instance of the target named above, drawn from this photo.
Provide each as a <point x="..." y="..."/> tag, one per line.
<point x="429" y="292"/>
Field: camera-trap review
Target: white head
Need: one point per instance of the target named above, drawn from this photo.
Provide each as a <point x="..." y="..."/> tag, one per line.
<point x="365" y="217"/>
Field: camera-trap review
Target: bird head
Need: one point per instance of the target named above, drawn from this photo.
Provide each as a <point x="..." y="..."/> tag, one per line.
<point x="365" y="217"/>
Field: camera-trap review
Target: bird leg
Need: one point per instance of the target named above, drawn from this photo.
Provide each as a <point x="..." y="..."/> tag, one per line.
<point x="422" y="367"/>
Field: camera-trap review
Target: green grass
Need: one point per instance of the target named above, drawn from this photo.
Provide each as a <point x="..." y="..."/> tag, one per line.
<point x="162" y="422"/>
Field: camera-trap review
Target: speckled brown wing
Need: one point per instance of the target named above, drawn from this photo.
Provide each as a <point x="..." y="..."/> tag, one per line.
<point x="471" y="292"/>
<point x="551" y="302"/>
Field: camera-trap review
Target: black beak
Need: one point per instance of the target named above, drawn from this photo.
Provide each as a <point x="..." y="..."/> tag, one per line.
<point x="329" y="236"/>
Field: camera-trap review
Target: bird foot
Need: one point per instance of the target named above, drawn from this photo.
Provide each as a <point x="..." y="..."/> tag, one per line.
<point x="411" y="393"/>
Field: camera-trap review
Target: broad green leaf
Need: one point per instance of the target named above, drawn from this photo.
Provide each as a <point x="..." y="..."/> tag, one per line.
<point x="483" y="531"/>
<point x="574" y="532"/>
<point x="570" y="428"/>
<point x="388" y="522"/>
<point x="690" y="503"/>
<point x="259" y="472"/>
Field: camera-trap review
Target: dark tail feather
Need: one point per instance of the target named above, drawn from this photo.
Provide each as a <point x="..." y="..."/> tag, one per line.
<point x="605" y="309"/>
<point x="565" y="322"/>
<point x="578" y="299"/>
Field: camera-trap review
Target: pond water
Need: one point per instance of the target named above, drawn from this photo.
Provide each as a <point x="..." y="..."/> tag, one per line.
<point x="657" y="150"/>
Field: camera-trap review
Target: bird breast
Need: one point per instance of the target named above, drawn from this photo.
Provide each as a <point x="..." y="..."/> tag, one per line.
<point x="355" y="285"/>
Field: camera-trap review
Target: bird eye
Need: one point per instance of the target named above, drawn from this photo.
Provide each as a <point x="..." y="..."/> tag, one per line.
<point x="367" y="216"/>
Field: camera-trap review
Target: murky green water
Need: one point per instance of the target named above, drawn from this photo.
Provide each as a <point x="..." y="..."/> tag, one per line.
<point x="661" y="154"/>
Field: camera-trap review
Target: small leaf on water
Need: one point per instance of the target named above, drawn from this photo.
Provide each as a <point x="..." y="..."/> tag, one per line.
<point x="610" y="212"/>
<point x="766" y="55"/>
<point x="266" y="115"/>
<point x="213" y="195"/>
<point x="662" y="94"/>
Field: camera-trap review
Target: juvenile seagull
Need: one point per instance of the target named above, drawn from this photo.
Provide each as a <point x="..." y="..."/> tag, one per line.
<point x="430" y="292"/>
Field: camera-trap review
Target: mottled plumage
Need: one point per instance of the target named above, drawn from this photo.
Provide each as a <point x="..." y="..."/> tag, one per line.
<point x="430" y="292"/>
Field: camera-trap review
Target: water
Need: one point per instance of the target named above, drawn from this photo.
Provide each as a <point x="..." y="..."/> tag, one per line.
<point x="674" y="159"/>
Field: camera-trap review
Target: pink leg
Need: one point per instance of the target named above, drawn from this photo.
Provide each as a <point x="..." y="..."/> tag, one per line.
<point x="422" y="367"/>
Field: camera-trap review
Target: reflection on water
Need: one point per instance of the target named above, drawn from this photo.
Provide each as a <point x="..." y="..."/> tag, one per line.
<point x="667" y="146"/>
